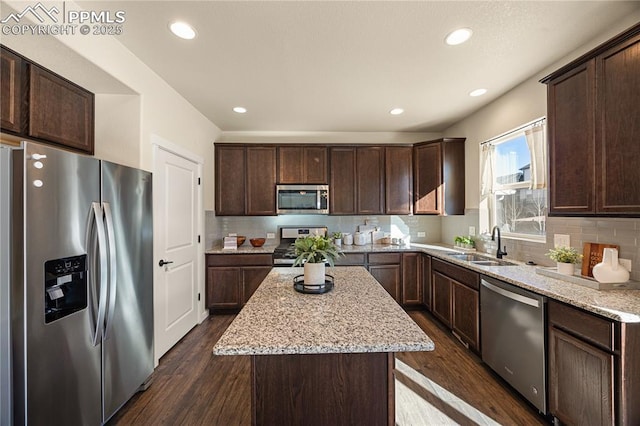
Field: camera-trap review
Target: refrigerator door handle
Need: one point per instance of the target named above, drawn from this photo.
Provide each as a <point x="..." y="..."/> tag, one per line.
<point x="90" y="244"/>
<point x="97" y="220"/>
<point x="112" y="268"/>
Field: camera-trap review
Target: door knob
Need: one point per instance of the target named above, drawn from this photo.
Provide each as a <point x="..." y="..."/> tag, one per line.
<point x="162" y="262"/>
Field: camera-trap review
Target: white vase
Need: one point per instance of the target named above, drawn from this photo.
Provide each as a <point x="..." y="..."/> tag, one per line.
<point x="314" y="273"/>
<point x="565" y="268"/>
<point x="609" y="270"/>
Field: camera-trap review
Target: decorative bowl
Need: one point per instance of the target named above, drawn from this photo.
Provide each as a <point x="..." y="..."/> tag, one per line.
<point x="257" y="242"/>
<point x="241" y="240"/>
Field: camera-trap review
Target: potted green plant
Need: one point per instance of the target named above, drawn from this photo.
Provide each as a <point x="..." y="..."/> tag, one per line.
<point x="565" y="258"/>
<point x="464" y="242"/>
<point x="313" y="251"/>
<point x="337" y="238"/>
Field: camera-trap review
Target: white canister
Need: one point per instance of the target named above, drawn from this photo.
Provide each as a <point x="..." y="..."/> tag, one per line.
<point x="347" y="239"/>
<point x="360" y="238"/>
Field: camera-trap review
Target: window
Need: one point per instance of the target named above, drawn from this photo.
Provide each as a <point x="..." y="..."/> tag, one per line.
<point x="514" y="182"/>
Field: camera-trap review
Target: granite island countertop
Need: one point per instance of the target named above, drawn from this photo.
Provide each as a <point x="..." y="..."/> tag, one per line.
<point x="358" y="315"/>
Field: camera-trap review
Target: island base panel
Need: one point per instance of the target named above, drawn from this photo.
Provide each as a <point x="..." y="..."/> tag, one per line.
<point x="323" y="389"/>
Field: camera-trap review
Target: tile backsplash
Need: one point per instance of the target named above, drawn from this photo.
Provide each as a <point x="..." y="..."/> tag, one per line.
<point x="258" y="226"/>
<point x="620" y="231"/>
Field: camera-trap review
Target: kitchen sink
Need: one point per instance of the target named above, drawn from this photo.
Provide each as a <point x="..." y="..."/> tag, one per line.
<point x="478" y="259"/>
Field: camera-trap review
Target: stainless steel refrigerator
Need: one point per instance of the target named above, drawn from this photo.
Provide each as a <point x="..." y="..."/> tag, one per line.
<point x="81" y="286"/>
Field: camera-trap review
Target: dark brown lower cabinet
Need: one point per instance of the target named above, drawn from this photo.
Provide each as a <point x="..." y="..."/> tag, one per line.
<point x="594" y="368"/>
<point x="224" y="288"/>
<point x="411" y="285"/>
<point x="400" y="273"/>
<point x="389" y="277"/>
<point x="351" y="259"/>
<point x="441" y="300"/>
<point x="233" y="278"/>
<point x="465" y="316"/>
<point x="580" y="381"/>
<point x="425" y="278"/>
<point x="323" y="389"/>
<point x="386" y="268"/>
<point x="455" y="300"/>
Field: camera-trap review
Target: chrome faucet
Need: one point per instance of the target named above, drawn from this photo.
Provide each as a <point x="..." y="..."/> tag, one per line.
<point x="499" y="253"/>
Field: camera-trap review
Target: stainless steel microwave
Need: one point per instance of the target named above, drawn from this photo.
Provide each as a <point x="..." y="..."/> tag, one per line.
<point x="302" y="199"/>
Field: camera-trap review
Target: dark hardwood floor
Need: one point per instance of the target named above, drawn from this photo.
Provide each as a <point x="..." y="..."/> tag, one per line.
<point x="457" y="384"/>
<point x="447" y="386"/>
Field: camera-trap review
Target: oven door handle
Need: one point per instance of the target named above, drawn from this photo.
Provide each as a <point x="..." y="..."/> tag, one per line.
<point x="513" y="296"/>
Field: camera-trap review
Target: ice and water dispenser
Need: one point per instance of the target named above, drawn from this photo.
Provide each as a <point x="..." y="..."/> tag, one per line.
<point x="65" y="287"/>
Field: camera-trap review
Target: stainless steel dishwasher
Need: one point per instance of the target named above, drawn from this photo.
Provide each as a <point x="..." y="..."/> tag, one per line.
<point x="513" y="337"/>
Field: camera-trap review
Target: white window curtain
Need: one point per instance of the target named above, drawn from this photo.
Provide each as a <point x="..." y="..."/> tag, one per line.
<point x="486" y="168"/>
<point x="538" y="148"/>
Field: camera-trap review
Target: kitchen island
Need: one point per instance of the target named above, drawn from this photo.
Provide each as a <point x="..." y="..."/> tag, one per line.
<point x="322" y="358"/>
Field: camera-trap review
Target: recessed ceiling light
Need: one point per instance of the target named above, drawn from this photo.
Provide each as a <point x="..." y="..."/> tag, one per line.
<point x="458" y="36"/>
<point x="239" y="110"/>
<point x="478" y="92"/>
<point x="182" y="30"/>
<point x="396" y="111"/>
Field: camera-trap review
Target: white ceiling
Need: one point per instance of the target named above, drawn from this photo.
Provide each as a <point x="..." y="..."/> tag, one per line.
<point x="342" y="65"/>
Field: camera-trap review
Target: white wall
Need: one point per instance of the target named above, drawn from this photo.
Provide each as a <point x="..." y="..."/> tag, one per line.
<point x="104" y="66"/>
<point x="117" y="124"/>
<point x="522" y="104"/>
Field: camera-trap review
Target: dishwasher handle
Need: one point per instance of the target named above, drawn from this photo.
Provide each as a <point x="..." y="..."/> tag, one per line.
<point x="513" y="296"/>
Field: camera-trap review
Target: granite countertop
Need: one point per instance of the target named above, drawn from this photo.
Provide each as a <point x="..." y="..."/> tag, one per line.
<point x="268" y="248"/>
<point x="246" y="248"/>
<point x="619" y="305"/>
<point x="358" y="315"/>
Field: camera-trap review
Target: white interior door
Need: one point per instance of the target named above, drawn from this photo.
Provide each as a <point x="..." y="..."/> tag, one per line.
<point x="176" y="203"/>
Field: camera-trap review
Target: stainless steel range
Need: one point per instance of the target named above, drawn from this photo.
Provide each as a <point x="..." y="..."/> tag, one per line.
<point x="284" y="254"/>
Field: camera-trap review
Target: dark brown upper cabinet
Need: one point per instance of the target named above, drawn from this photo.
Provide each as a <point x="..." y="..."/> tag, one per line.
<point x="12" y="80"/>
<point x="230" y="184"/>
<point x="618" y="119"/>
<point x="245" y="180"/>
<point x="302" y="164"/>
<point x="571" y="118"/>
<point x="60" y="111"/>
<point x="342" y="189"/>
<point x="370" y="180"/>
<point x="43" y="106"/>
<point x="398" y="180"/>
<point x="593" y="115"/>
<point x="439" y="177"/>
<point x="356" y="180"/>
<point x="363" y="179"/>
<point x="261" y="180"/>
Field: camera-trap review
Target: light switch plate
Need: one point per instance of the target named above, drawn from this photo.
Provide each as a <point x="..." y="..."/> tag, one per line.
<point x="422" y="234"/>
<point x="472" y="231"/>
<point x="561" y="240"/>
<point x="271" y="235"/>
